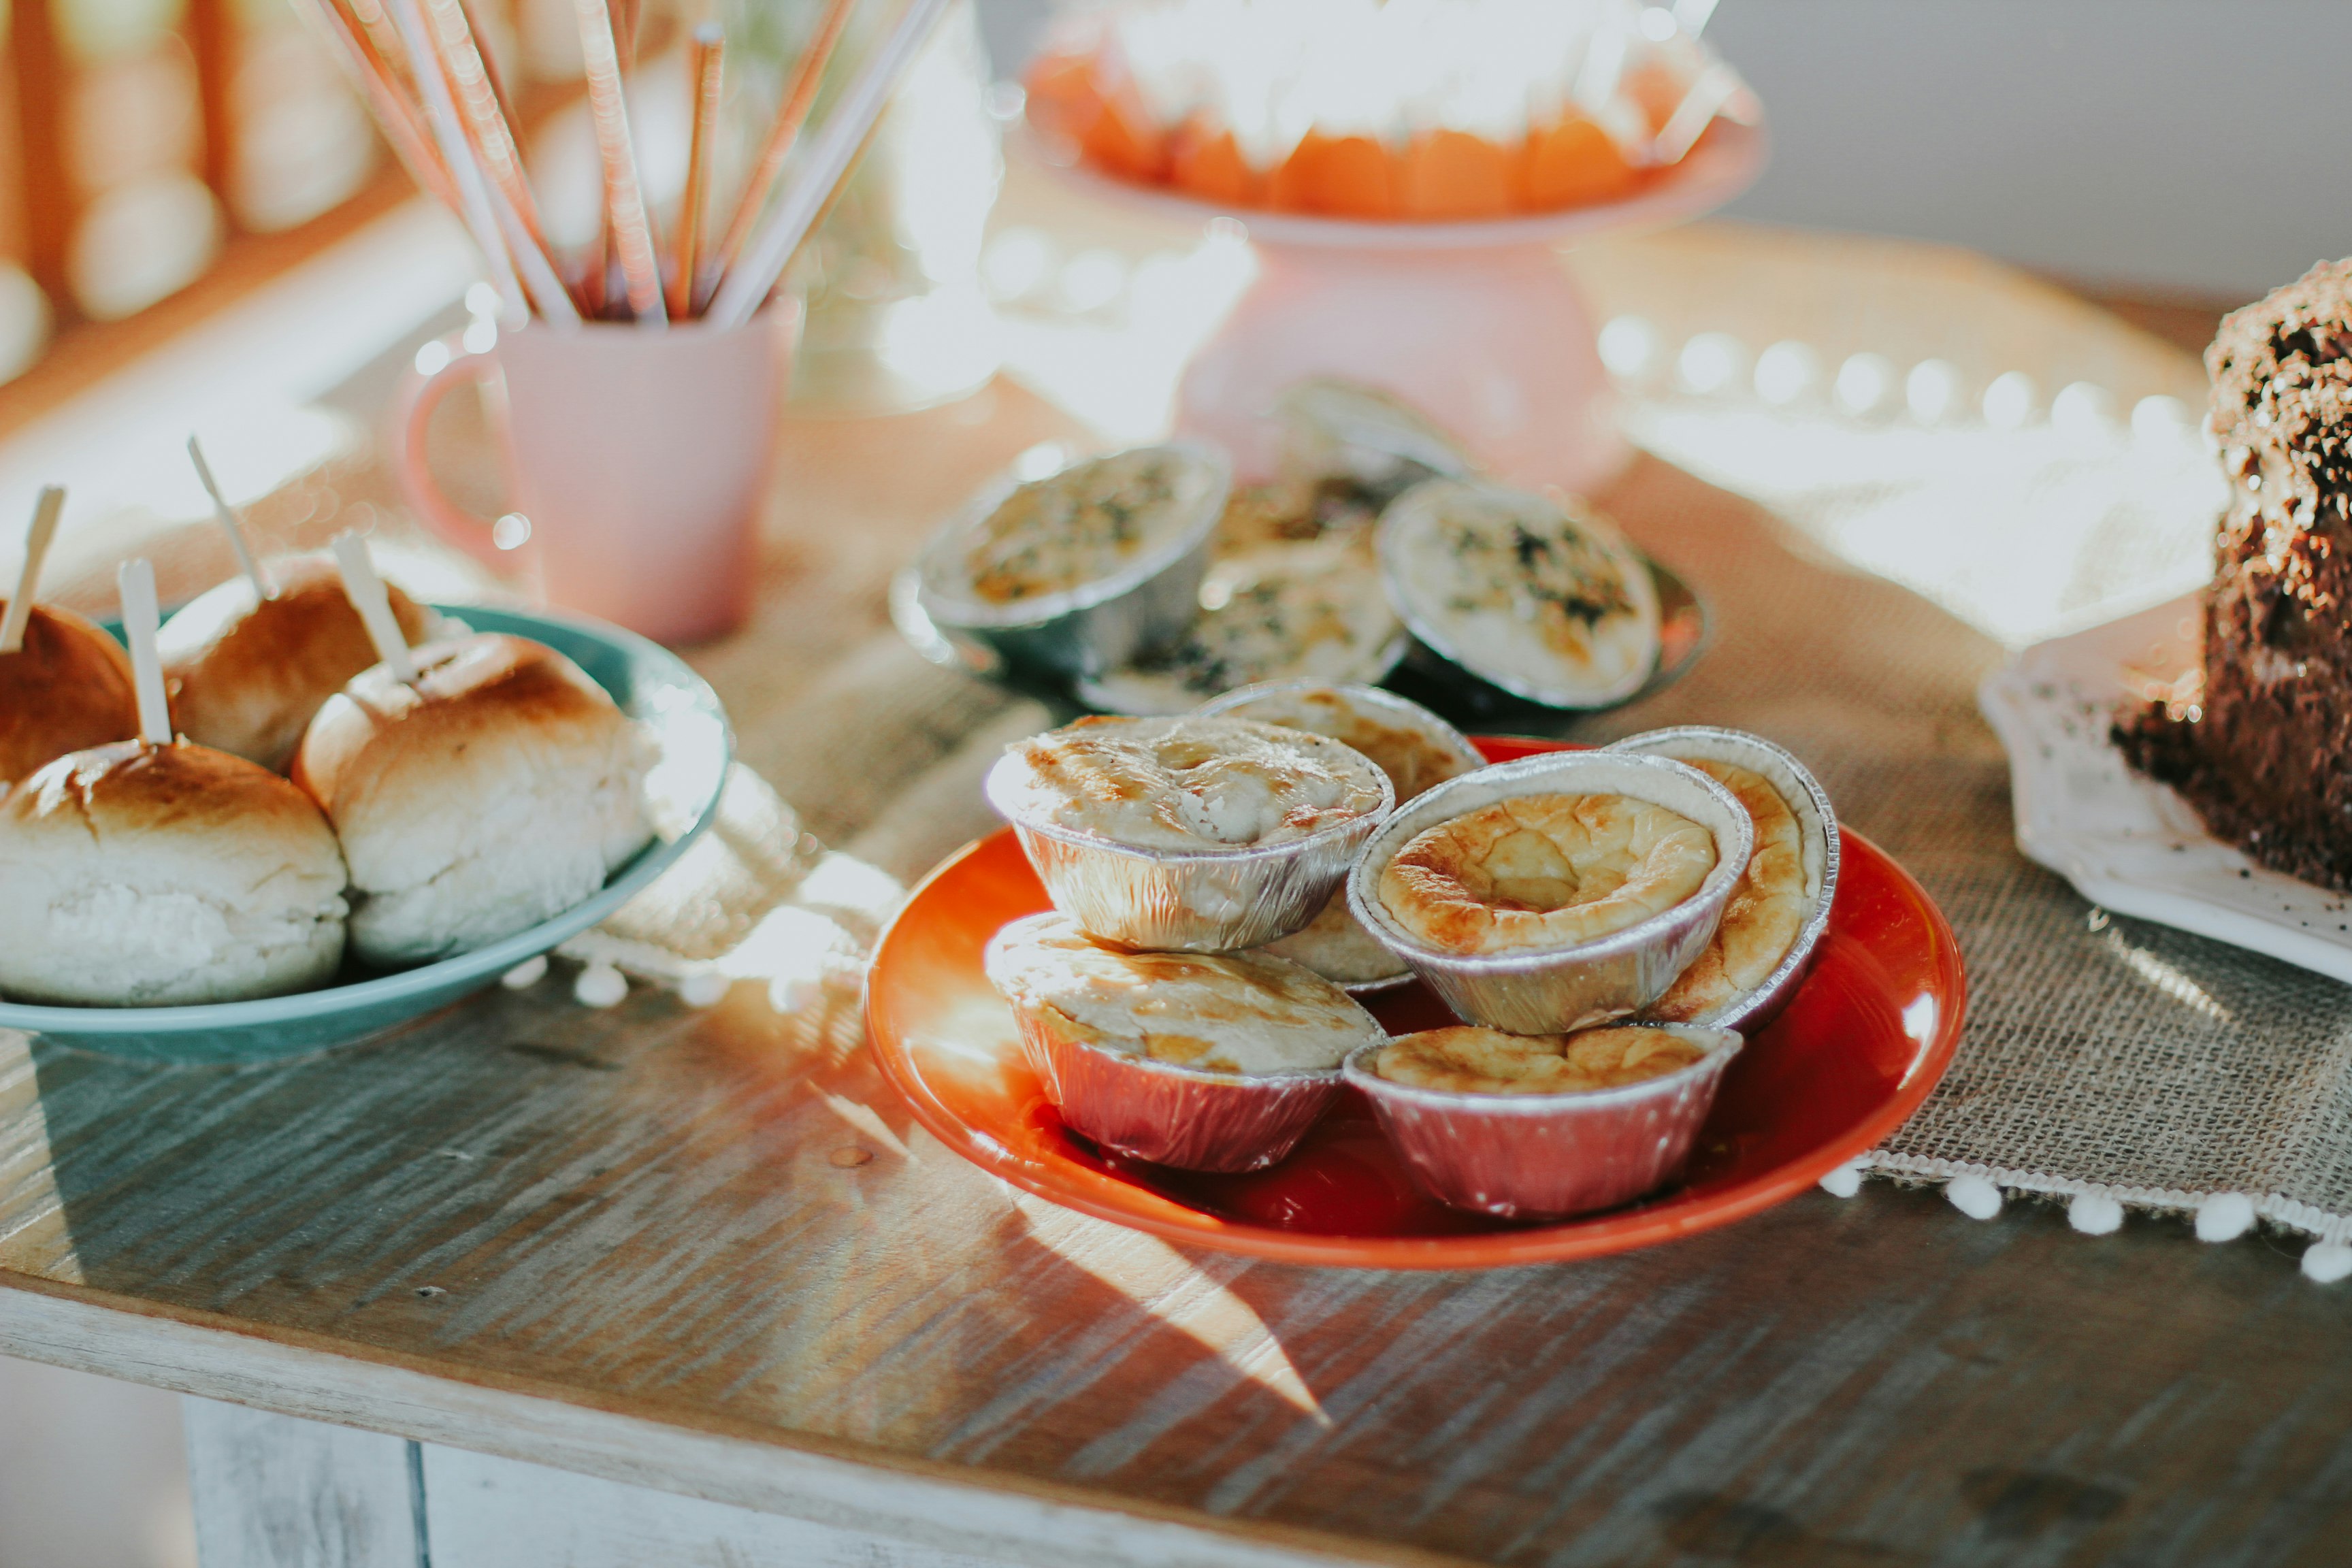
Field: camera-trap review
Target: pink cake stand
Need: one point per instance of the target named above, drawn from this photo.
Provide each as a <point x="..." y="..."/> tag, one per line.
<point x="1478" y="324"/>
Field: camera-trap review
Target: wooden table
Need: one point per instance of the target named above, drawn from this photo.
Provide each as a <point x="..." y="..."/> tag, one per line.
<point x="530" y="1284"/>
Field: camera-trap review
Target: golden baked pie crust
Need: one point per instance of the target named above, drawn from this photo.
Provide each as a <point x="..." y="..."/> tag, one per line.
<point x="1465" y="1060"/>
<point x="1543" y="872"/>
<point x="1767" y="910"/>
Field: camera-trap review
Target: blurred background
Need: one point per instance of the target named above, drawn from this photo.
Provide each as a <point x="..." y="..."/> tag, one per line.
<point x="157" y="156"/>
<point x="162" y="158"/>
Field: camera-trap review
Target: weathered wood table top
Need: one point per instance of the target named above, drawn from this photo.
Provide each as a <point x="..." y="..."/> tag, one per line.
<point x="708" y="1251"/>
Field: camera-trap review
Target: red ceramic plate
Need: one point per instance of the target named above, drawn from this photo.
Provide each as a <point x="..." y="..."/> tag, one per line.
<point x="1854" y="1054"/>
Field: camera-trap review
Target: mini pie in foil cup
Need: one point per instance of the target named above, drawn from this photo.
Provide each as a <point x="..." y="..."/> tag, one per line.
<point x="1362" y="964"/>
<point x="1184" y="900"/>
<point x="1097" y="625"/>
<point x="1553" y="991"/>
<point x="1193" y="1118"/>
<point x="1546" y="1156"/>
<point x="1618" y="661"/>
<point x="1168" y="1114"/>
<point x="1816" y="822"/>
<point x="1337" y="429"/>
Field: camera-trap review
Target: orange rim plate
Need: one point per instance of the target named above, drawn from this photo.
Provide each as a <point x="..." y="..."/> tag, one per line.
<point x="1855" y="1053"/>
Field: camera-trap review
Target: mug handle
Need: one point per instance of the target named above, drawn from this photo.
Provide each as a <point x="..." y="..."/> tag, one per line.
<point x="411" y="417"/>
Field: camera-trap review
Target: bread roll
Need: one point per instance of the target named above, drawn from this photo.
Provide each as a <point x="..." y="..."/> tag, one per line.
<point x="165" y="875"/>
<point x="246" y="674"/>
<point x="69" y="688"/>
<point x="500" y="790"/>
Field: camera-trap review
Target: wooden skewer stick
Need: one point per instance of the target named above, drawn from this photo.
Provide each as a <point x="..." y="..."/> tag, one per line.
<point x="747" y="284"/>
<point x="364" y="589"/>
<point x="347" y="38"/>
<point x="474" y="197"/>
<point x="709" y="65"/>
<point x="28" y="576"/>
<point x="492" y="139"/>
<point x="790" y="115"/>
<point x="135" y="581"/>
<point x="230" y="524"/>
<point x="624" y="202"/>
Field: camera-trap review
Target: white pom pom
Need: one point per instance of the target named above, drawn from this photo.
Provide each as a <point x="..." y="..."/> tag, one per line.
<point x="703" y="988"/>
<point x="2224" y="1216"/>
<point x="600" y="986"/>
<point x="526" y="974"/>
<point x="1843" y="1181"/>
<point x="2095" y="1214"/>
<point x="1973" y="1196"/>
<point x="2325" y="1262"/>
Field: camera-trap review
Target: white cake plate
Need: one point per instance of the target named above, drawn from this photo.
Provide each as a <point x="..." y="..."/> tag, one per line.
<point x="1476" y="323"/>
<point x="2126" y="842"/>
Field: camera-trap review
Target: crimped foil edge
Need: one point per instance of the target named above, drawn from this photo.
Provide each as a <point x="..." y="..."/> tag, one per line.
<point x="1494" y="988"/>
<point x="1472" y="1150"/>
<point x="1816" y="816"/>
<point x="1400" y="513"/>
<point x="1245" y="897"/>
<point x="1030" y="614"/>
<point x="1169" y="1114"/>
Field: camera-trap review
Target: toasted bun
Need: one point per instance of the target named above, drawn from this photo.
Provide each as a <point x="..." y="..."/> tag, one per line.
<point x="246" y="674"/>
<point x="67" y="690"/>
<point x="164" y="875"/>
<point x="500" y="790"/>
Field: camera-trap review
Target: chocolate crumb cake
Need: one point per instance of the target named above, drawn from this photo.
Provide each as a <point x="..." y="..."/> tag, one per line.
<point x="2260" y="750"/>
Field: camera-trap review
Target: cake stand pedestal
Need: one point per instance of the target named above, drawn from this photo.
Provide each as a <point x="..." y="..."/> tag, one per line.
<point x="1477" y="324"/>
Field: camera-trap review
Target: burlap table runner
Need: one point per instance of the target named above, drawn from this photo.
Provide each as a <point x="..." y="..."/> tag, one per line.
<point x="2102" y="1058"/>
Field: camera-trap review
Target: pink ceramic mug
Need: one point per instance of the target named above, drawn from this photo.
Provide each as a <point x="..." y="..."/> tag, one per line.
<point x="635" y="459"/>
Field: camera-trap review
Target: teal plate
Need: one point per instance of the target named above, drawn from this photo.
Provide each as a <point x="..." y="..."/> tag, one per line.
<point x="651" y="685"/>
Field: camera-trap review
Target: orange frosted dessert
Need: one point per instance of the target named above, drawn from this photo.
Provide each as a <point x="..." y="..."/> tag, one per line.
<point x="1413" y="111"/>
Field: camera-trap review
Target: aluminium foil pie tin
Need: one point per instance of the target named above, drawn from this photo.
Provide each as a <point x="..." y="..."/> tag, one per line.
<point x="1816" y="823"/>
<point x="1161" y="1111"/>
<point x="1420" y="508"/>
<point x="1547" y="1156"/>
<point x="1388" y="708"/>
<point x="1100" y="624"/>
<point x="1345" y="429"/>
<point x="1148" y="693"/>
<point x="1551" y="991"/>
<point x="1174" y="1115"/>
<point x="1184" y="901"/>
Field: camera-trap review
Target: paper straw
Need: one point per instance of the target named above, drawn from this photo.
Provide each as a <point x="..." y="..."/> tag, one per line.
<point x="748" y="284"/>
<point x="134" y="580"/>
<point x="28" y="576"/>
<point x="474" y="198"/>
<point x="710" y="66"/>
<point x="490" y="65"/>
<point x="347" y="38"/>
<point x="364" y="589"/>
<point x="624" y="202"/>
<point x="627" y="14"/>
<point x="230" y="524"/>
<point x="790" y="116"/>
<point x="546" y="285"/>
<point x="492" y="139"/>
